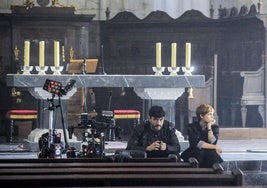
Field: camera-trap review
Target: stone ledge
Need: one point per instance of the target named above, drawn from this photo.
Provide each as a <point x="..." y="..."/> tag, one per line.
<point x="243" y="133"/>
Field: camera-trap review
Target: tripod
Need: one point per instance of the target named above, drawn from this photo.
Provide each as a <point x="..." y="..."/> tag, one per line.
<point x="50" y="143"/>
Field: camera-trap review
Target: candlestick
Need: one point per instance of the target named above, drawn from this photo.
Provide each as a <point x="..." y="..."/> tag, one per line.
<point x="26" y="69"/>
<point x="63" y="53"/>
<point x="16" y="53"/>
<point x="41" y="69"/>
<point x="173" y="70"/>
<point x="158" y="54"/>
<point x="71" y="52"/>
<point x="188" y="70"/>
<point x="27" y="53"/>
<point x="188" y="55"/>
<point x="190" y="93"/>
<point x="173" y="59"/>
<point x="158" y="70"/>
<point x="56" y="53"/>
<point x="56" y="70"/>
<point x="41" y="53"/>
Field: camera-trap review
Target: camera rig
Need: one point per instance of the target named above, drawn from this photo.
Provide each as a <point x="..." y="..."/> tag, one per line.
<point x="93" y="137"/>
<point x="50" y="145"/>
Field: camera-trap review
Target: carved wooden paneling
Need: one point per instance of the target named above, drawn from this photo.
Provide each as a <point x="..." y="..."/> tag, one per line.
<point x="36" y="24"/>
<point x="129" y="47"/>
<point x="239" y="40"/>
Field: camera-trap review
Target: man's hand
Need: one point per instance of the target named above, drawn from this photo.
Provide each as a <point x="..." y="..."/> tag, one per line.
<point x="157" y="145"/>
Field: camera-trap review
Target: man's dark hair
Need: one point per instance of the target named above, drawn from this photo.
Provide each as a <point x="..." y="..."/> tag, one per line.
<point x="156" y="111"/>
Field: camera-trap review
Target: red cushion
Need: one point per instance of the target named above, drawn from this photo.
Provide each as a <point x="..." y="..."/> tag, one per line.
<point x="22" y="112"/>
<point x="116" y="112"/>
<point x="126" y="114"/>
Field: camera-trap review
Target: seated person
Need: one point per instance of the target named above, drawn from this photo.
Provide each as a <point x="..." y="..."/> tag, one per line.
<point x="203" y="136"/>
<point x="156" y="136"/>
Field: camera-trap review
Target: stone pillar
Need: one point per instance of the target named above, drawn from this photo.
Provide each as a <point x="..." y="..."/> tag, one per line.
<point x="264" y="19"/>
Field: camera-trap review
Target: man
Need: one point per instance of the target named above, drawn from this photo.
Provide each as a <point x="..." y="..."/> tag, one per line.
<point x="156" y="136"/>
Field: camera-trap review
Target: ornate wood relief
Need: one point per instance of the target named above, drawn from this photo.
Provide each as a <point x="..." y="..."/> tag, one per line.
<point x="237" y="38"/>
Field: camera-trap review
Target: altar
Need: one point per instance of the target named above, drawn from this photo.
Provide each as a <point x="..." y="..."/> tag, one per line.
<point x="158" y="88"/>
<point x="135" y="81"/>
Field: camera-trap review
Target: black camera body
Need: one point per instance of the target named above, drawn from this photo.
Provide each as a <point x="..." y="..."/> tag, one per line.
<point x="50" y="149"/>
<point x="92" y="145"/>
<point x="93" y="137"/>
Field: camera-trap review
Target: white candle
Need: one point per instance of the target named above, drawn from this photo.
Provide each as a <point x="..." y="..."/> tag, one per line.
<point x="158" y="54"/>
<point x="173" y="55"/>
<point x="56" y="53"/>
<point x="41" y="53"/>
<point x="27" y="53"/>
<point x="188" y="55"/>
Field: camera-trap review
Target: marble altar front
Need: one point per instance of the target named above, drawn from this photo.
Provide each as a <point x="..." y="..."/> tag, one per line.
<point x="135" y="81"/>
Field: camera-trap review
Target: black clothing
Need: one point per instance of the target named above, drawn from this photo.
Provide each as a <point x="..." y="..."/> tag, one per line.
<point x="205" y="157"/>
<point x="144" y="136"/>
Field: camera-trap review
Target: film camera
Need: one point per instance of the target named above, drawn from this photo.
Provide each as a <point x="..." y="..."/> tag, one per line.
<point x="48" y="149"/>
<point x="93" y="137"/>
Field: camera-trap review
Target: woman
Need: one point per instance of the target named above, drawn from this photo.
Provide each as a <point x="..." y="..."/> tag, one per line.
<point x="203" y="136"/>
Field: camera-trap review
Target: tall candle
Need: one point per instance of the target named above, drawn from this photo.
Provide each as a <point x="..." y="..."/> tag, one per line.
<point x="173" y="55"/>
<point x="27" y="53"/>
<point x="56" y="53"/>
<point x="41" y="53"/>
<point x="158" y="54"/>
<point x="188" y="55"/>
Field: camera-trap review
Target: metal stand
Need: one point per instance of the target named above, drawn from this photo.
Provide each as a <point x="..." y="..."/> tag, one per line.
<point x="102" y="66"/>
<point x="109" y="116"/>
<point x="50" y="143"/>
<point x="53" y="148"/>
<point x="84" y="89"/>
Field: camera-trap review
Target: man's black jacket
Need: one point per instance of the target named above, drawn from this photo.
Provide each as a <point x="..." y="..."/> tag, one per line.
<point x="143" y="136"/>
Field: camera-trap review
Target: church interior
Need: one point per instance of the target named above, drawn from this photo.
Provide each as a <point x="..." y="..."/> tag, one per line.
<point x="65" y="63"/>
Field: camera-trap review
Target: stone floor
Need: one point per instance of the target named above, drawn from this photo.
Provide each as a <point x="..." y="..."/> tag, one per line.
<point x="250" y="155"/>
<point x="233" y="150"/>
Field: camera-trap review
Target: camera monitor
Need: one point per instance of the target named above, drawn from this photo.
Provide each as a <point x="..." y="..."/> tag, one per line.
<point x="56" y="87"/>
<point x="52" y="86"/>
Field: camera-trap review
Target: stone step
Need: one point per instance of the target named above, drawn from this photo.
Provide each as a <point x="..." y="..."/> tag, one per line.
<point x="246" y="166"/>
<point x="255" y="172"/>
<point x="243" y="133"/>
<point x="255" y="179"/>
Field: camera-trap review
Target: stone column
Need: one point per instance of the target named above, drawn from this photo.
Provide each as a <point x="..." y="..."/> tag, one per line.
<point x="264" y="19"/>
